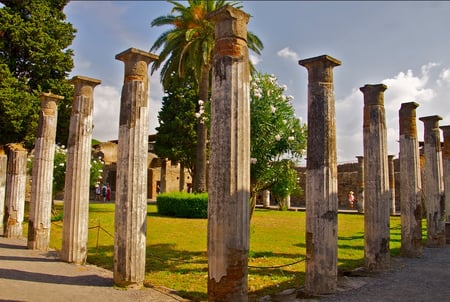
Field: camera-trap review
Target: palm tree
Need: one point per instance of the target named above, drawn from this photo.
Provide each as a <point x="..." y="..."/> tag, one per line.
<point x="187" y="48"/>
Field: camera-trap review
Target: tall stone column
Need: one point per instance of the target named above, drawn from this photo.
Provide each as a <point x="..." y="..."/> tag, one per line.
<point x="391" y="173"/>
<point x="76" y="186"/>
<point x="433" y="186"/>
<point x="266" y="198"/>
<point x="376" y="185"/>
<point x="321" y="178"/>
<point x="410" y="182"/>
<point x="42" y="181"/>
<point x="446" y="171"/>
<point x="229" y="176"/>
<point x="16" y="177"/>
<point x="360" y="191"/>
<point x="3" y="167"/>
<point x="131" y="186"/>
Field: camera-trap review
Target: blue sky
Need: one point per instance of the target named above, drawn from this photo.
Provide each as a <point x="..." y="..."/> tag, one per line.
<point x="402" y="44"/>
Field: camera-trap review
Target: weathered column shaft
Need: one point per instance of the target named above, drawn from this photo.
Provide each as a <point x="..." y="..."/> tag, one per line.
<point x="76" y="186"/>
<point x="3" y="167"/>
<point x="131" y="191"/>
<point x="266" y="198"/>
<point x="376" y="185"/>
<point x="321" y="178"/>
<point x="433" y="186"/>
<point x="446" y="170"/>
<point x="410" y="183"/>
<point x="15" y="190"/>
<point x="360" y="191"/>
<point x="42" y="181"/>
<point x="229" y="176"/>
<point x="391" y="173"/>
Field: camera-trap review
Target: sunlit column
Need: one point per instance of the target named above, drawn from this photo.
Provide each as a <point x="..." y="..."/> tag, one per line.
<point x="39" y="221"/>
<point x="376" y="180"/>
<point x="76" y="186"/>
<point x="321" y="178"/>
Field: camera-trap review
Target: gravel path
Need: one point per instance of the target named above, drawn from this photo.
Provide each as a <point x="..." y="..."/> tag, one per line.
<point x="28" y="275"/>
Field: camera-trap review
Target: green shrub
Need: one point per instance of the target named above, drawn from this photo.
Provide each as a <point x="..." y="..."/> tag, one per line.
<point x="181" y="204"/>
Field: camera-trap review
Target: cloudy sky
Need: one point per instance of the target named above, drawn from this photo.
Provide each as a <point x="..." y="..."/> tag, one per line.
<point x="404" y="45"/>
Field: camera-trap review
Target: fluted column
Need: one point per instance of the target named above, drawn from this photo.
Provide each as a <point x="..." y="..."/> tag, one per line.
<point x="391" y="173"/>
<point x="360" y="191"/>
<point x="321" y="178"/>
<point x="229" y="174"/>
<point x="76" y="186"/>
<point x="131" y="186"/>
<point x="3" y="166"/>
<point x="15" y="190"/>
<point x="433" y="186"/>
<point x="410" y="183"/>
<point x="376" y="180"/>
<point x="446" y="170"/>
<point x="42" y="181"/>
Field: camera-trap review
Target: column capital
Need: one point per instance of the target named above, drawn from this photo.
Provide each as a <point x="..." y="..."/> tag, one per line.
<point x="230" y="22"/>
<point x="446" y="130"/>
<point x="49" y="102"/>
<point x="407" y="119"/>
<point x="320" y="68"/>
<point x="431" y="121"/>
<point x="373" y="94"/>
<point x="136" y="63"/>
<point x="84" y="85"/>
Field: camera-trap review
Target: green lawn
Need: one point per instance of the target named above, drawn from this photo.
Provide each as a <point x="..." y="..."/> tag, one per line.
<point x="176" y="249"/>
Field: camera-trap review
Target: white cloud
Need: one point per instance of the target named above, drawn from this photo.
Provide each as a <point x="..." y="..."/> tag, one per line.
<point x="444" y="77"/>
<point x="255" y="59"/>
<point x="288" y="54"/>
<point x="106" y="113"/>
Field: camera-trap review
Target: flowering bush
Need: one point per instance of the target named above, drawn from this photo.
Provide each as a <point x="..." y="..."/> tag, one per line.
<point x="278" y="138"/>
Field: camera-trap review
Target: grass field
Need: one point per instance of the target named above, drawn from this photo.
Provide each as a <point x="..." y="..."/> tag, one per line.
<point x="176" y="248"/>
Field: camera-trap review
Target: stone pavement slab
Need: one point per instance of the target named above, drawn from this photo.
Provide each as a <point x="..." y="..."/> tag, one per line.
<point x="30" y="275"/>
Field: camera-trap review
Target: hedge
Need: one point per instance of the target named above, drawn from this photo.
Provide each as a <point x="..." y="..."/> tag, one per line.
<point x="181" y="204"/>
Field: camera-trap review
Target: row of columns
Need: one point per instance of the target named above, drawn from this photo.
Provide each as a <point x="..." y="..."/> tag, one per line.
<point x="228" y="213"/>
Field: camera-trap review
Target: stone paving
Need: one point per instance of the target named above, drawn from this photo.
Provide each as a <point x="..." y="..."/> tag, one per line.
<point x="31" y="275"/>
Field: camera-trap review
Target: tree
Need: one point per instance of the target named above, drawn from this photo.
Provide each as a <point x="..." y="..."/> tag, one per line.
<point x="188" y="48"/>
<point x="277" y="138"/>
<point x="34" y="58"/>
<point x="176" y="138"/>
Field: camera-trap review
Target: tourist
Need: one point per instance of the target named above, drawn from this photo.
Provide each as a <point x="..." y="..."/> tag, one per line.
<point x="351" y="199"/>
<point x="108" y="193"/>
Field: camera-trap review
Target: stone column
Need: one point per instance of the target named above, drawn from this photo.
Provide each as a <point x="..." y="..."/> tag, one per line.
<point x="410" y="183"/>
<point x="360" y="190"/>
<point x="131" y="187"/>
<point x="229" y="176"/>
<point x="321" y="178"/>
<point x="391" y="173"/>
<point x="446" y="170"/>
<point x="163" y="177"/>
<point x="3" y="166"/>
<point x="433" y="186"/>
<point x="376" y="185"/>
<point x="266" y="198"/>
<point x="42" y="181"/>
<point x="76" y="186"/>
<point x="15" y="190"/>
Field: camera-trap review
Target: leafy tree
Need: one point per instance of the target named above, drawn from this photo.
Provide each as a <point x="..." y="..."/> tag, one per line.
<point x="277" y="138"/>
<point x="176" y="137"/>
<point x="188" y="48"/>
<point x="34" y="58"/>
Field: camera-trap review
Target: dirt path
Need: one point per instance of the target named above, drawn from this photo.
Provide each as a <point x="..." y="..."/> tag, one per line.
<point x="27" y="275"/>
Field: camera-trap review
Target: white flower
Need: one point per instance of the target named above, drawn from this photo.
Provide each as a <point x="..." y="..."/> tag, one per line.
<point x="200" y="102"/>
<point x="61" y="164"/>
<point x="290" y="98"/>
<point x="277" y="137"/>
<point x="197" y="115"/>
<point x="285" y="122"/>
<point x="253" y="160"/>
<point x="284" y="87"/>
<point x="273" y="108"/>
<point x="283" y="97"/>
<point x="291" y="138"/>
